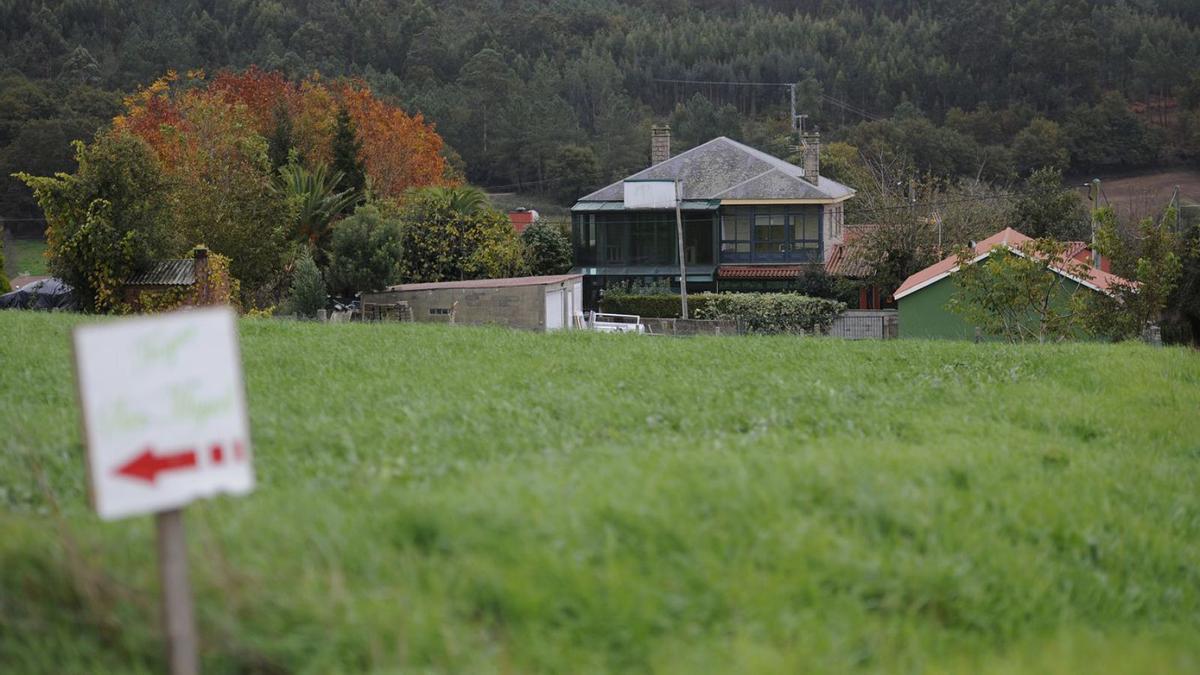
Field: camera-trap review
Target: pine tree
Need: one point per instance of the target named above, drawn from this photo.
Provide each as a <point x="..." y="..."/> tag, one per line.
<point x="347" y="156"/>
<point x="308" y="292"/>
<point x="282" y="140"/>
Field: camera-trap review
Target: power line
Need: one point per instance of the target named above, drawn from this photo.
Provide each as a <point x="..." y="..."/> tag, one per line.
<point x="848" y="107"/>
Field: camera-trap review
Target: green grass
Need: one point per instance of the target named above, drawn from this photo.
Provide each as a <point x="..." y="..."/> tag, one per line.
<point x="442" y="500"/>
<point x="24" y="256"/>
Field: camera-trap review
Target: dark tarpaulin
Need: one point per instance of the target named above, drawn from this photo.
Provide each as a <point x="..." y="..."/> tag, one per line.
<point x="44" y="294"/>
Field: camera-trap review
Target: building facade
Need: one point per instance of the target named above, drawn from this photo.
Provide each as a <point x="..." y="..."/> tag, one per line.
<point x="751" y="221"/>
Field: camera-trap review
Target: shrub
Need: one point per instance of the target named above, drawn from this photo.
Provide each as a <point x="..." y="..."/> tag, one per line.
<point x="656" y="305"/>
<point x="365" y="252"/>
<point x="308" y="288"/>
<point x="547" y="249"/>
<point x="449" y="236"/>
<point x="756" y="312"/>
<point x="773" y="312"/>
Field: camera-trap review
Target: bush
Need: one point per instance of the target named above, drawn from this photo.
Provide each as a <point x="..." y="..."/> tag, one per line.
<point x="547" y="249"/>
<point x="755" y="312"/>
<point x="658" y="305"/>
<point x="773" y="312"/>
<point x="365" y="252"/>
<point x="308" y="288"/>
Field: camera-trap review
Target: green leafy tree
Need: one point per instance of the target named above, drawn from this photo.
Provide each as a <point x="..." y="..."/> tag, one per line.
<point x="1041" y="145"/>
<point x="700" y="120"/>
<point x="1047" y="209"/>
<point x="1019" y="295"/>
<point x="575" y="171"/>
<point x="547" y="249"/>
<point x="443" y="243"/>
<point x="107" y="220"/>
<point x="365" y="253"/>
<point x="222" y="194"/>
<point x="347" y="157"/>
<point x="308" y="292"/>
<point x="1149" y="263"/>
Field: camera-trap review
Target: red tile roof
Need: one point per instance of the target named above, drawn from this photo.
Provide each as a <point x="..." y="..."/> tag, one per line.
<point x="846" y="259"/>
<point x="760" y="271"/>
<point x="1013" y="241"/>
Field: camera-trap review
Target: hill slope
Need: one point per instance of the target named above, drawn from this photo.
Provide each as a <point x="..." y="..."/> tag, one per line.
<point x="468" y="500"/>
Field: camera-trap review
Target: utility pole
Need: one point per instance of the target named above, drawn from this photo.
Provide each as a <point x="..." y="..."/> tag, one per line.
<point x="1094" y="193"/>
<point x="682" y="258"/>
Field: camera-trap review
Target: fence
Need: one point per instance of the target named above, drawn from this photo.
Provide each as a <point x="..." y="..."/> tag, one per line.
<point x="866" y="324"/>
<point x="689" y="327"/>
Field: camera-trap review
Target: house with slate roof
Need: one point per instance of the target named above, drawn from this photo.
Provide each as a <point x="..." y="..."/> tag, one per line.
<point x="751" y="221"/>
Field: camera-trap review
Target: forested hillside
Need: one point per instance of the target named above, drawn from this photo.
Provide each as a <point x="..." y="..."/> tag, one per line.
<point x="556" y="95"/>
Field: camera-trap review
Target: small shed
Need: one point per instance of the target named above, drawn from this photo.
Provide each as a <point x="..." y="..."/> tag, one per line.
<point x="924" y="297"/>
<point x="531" y="303"/>
<point x="196" y="281"/>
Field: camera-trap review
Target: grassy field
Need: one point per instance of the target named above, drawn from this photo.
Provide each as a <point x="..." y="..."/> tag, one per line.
<point x="439" y="500"/>
<point x="24" y="256"/>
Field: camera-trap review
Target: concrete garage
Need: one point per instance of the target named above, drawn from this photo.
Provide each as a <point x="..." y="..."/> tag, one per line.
<point x="530" y="303"/>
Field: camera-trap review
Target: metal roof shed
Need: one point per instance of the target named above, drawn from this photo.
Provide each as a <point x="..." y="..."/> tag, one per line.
<point x="530" y="303"/>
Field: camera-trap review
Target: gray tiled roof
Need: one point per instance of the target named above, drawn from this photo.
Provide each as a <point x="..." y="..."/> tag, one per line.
<point x="166" y="273"/>
<point x="725" y="169"/>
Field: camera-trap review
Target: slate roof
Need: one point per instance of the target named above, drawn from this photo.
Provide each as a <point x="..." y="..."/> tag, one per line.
<point x="1012" y="240"/>
<point x="725" y="169"/>
<point x="166" y="273"/>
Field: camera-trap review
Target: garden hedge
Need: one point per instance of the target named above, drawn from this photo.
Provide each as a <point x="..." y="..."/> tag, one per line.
<point x="754" y="312"/>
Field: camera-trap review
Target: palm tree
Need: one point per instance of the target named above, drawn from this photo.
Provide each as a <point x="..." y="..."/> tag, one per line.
<point x="465" y="200"/>
<point x="314" y="193"/>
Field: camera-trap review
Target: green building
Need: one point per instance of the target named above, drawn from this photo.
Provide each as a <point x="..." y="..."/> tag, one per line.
<point x="923" y="297"/>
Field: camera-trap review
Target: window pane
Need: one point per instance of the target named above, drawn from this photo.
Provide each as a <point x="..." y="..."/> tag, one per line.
<point x="727" y="228"/>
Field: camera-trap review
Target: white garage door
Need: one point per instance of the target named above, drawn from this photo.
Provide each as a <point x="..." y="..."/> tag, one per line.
<point x="554" y="310"/>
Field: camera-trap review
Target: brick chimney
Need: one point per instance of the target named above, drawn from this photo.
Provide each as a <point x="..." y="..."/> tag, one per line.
<point x="660" y="143"/>
<point x="204" y="289"/>
<point x="812" y="157"/>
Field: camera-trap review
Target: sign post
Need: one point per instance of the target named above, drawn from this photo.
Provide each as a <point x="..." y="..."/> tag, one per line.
<point x="164" y="418"/>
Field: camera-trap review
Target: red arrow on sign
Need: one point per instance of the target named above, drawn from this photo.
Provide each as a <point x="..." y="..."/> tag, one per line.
<point x="148" y="465"/>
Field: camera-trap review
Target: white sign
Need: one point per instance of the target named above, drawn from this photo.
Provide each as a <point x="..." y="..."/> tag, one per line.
<point x="649" y="194"/>
<point x="164" y="411"/>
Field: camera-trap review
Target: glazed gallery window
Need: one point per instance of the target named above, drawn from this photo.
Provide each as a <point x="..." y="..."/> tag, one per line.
<point x="790" y="233"/>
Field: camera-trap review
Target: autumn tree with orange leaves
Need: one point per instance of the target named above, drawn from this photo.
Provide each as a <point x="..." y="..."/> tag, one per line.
<point x="399" y="151"/>
<point x="214" y="142"/>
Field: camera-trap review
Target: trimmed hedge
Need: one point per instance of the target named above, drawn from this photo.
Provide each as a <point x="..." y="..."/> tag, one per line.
<point x="774" y="312"/>
<point x="659" y="306"/>
<point x="763" y="313"/>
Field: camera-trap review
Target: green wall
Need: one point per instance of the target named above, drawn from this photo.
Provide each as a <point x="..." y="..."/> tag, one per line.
<point x="923" y="314"/>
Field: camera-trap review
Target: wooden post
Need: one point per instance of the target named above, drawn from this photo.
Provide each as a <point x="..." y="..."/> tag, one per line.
<point x="179" y="622"/>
